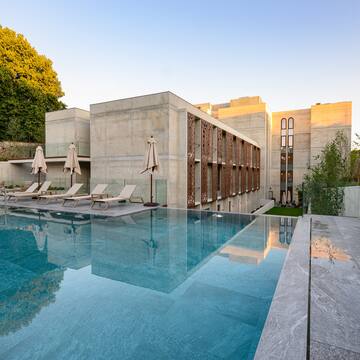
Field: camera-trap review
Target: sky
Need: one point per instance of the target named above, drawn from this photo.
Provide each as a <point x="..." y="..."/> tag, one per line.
<point x="293" y="53"/>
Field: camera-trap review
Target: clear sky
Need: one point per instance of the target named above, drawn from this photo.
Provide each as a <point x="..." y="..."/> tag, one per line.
<point x="293" y="53"/>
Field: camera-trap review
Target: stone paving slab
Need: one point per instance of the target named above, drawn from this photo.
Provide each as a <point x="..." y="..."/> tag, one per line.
<point x="320" y="351"/>
<point x="335" y="288"/>
<point x="285" y="332"/>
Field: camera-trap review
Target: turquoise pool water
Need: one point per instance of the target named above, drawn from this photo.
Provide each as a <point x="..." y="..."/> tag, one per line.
<point x="162" y="284"/>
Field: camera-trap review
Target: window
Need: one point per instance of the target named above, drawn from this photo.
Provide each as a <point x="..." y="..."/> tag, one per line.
<point x="291" y="123"/>
<point x="286" y="158"/>
<point x="246" y="180"/>
<point x="282" y="178"/>
<point x="291" y="139"/>
<point x="218" y="177"/>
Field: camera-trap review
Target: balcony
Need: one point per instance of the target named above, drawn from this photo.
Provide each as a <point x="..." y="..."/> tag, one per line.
<point x="60" y="149"/>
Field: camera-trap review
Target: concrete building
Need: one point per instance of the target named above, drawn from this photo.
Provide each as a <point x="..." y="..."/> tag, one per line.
<point x="290" y="140"/>
<point x="204" y="163"/>
<point x="220" y="157"/>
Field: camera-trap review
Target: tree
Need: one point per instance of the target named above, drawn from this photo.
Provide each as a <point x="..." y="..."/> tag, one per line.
<point x="323" y="185"/>
<point x="29" y="87"/>
<point x="355" y="160"/>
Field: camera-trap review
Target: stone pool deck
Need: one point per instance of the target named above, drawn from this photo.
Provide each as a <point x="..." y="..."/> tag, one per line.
<point x="315" y="313"/>
<point x="83" y="208"/>
<point x="335" y="288"/>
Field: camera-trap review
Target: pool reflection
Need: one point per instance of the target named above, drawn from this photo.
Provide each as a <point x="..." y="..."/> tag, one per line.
<point x="167" y="275"/>
<point x="155" y="249"/>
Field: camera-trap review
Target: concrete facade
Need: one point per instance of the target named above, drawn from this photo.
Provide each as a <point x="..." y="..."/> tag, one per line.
<point x="352" y="201"/>
<point x="119" y="133"/>
<point x="312" y="129"/>
<point x="65" y="127"/>
<point x="111" y="140"/>
<point x="61" y="129"/>
<point x="251" y="117"/>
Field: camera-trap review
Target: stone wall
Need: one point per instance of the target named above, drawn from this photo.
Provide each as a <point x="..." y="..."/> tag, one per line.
<point x="11" y="150"/>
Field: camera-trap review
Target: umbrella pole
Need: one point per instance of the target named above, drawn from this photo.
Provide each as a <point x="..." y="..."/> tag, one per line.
<point x="151" y="187"/>
<point x="38" y="177"/>
<point x="71" y="179"/>
<point x="151" y="203"/>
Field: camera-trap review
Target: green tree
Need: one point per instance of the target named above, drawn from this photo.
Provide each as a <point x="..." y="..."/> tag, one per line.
<point x="355" y="160"/>
<point x="29" y="87"/>
<point x="323" y="185"/>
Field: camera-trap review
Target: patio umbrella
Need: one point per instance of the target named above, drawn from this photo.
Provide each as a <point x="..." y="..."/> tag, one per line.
<point x="283" y="199"/>
<point x="72" y="162"/>
<point x="39" y="164"/>
<point x="152" y="164"/>
<point x="40" y="235"/>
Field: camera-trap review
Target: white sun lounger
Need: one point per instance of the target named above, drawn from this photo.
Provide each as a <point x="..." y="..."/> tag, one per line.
<point x="125" y="194"/>
<point x="30" y="190"/>
<point x="97" y="192"/>
<point x="43" y="189"/>
<point x="71" y="192"/>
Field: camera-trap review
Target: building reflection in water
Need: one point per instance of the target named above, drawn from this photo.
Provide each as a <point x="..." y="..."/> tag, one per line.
<point x="157" y="250"/>
<point x="252" y="244"/>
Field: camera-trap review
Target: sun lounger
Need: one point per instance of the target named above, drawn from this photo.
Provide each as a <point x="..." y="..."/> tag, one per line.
<point x="71" y="192"/>
<point x="30" y="190"/>
<point x="125" y="194"/>
<point x="43" y="189"/>
<point x="98" y="192"/>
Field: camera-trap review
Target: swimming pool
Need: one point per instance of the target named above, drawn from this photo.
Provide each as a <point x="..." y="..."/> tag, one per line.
<point x="160" y="284"/>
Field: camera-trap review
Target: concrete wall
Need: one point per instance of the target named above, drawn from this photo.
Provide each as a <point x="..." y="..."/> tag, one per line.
<point x="266" y="206"/>
<point x="15" y="174"/>
<point x="64" y="127"/>
<point x="326" y="121"/>
<point x="244" y="203"/>
<point x="352" y="201"/>
<point x="119" y="133"/>
<point x="60" y="179"/>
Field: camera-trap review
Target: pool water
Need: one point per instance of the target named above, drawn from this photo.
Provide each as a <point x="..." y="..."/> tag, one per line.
<point x="161" y="284"/>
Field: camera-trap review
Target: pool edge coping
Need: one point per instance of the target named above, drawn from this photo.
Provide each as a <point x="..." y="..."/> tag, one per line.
<point x="285" y="332"/>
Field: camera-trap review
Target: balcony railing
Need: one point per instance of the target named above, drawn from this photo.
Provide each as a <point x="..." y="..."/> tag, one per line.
<point x="60" y="149"/>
